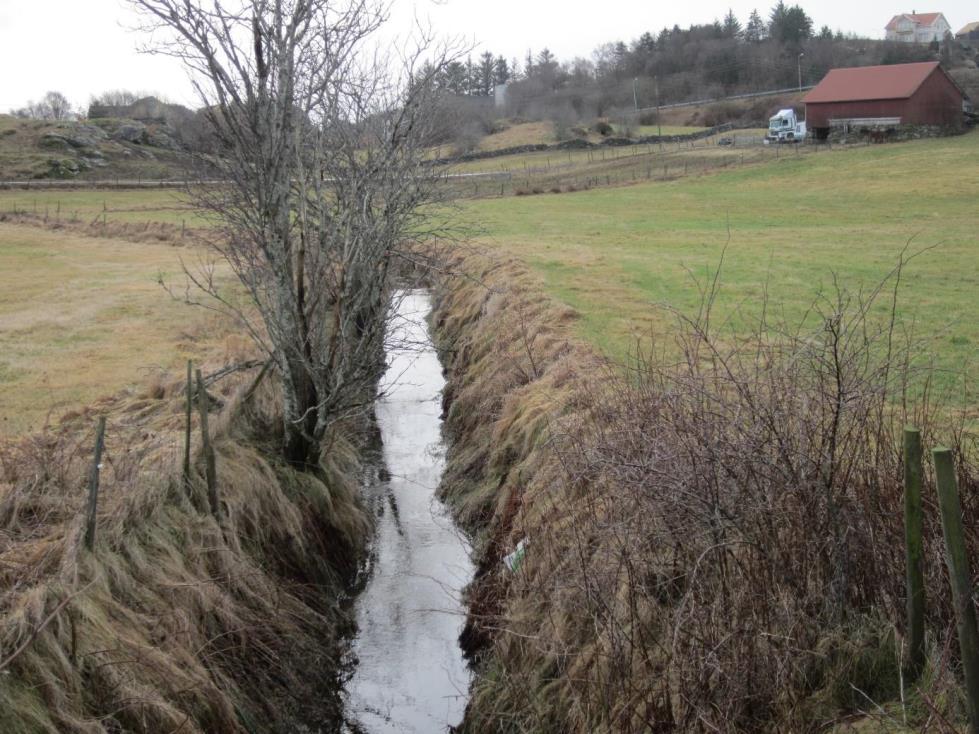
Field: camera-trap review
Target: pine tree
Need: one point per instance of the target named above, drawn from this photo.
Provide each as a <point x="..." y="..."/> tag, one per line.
<point x="789" y="24"/>
<point x="501" y="71"/>
<point x="485" y="74"/>
<point x="732" y="26"/>
<point x="755" y="30"/>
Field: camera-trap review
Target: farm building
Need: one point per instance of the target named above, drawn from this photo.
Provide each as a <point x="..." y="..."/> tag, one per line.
<point x="917" y="27"/>
<point x="969" y="32"/>
<point x="886" y="98"/>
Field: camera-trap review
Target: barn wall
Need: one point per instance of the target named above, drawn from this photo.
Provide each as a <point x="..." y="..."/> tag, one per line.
<point x="819" y="114"/>
<point x="937" y="102"/>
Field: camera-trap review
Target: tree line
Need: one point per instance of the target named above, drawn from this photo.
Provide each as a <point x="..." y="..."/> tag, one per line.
<point x="782" y="48"/>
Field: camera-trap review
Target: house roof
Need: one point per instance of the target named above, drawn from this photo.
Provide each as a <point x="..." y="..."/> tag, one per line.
<point x="968" y="28"/>
<point x="897" y="81"/>
<point x="925" y="19"/>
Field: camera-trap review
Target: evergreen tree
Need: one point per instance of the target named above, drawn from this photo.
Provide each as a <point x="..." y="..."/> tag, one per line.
<point x="486" y="75"/>
<point x="455" y="80"/>
<point x="789" y="24"/>
<point x="732" y="26"/>
<point x="755" y="31"/>
<point x="645" y="46"/>
<point x="501" y="71"/>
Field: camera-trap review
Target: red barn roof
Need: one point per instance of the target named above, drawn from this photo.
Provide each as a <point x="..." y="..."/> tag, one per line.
<point x="925" y="19"/>
<point x="897" y="81"/>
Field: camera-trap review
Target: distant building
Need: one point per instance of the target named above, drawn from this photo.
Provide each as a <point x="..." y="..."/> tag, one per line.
<point x="969" y="32"/>
<point x="886" y="98"/>
<point x="917" y="27"/>
<point x="499" y="95"/>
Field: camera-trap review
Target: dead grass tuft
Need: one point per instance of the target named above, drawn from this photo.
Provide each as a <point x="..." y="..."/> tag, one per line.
<point x="716" y="543"/>
<point x="176" y="621"/>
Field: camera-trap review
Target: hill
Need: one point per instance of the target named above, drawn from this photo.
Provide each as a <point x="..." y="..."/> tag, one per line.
<point x="94" y="149"/>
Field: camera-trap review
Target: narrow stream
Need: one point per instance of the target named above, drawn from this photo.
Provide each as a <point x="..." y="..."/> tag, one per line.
<point x="409" y="674"/>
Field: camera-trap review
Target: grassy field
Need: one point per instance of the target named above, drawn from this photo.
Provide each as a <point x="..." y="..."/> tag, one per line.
<point x="132" y="205"/>
<point x="646" y="130"/>
<point x="83" y="317"/>
<point x="614" y="253"/>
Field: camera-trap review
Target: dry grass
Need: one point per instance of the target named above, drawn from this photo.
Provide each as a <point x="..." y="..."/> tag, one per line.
<point x="177" y="621"/>
<point x="524" y="133"/>
<point x="687" y="568"/>
<point x="81" y="317"/>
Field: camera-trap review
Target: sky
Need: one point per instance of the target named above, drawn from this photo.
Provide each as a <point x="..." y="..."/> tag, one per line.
<point x="83" y="47"/>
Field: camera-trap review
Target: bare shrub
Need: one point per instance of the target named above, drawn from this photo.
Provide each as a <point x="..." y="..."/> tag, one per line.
<point x="716" y="542"/>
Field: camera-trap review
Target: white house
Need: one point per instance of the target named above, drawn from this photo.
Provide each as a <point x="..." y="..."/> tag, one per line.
<point x="917" y="27"/>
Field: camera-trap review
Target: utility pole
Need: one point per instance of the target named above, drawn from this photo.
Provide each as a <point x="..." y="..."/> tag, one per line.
<point x="801" y="54"/>
<point x="635" y="94"/>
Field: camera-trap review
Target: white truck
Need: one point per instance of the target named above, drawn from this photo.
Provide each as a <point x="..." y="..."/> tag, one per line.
<point x="785" y="127"/>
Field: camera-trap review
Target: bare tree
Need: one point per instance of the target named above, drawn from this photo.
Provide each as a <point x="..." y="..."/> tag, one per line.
<point x="53" y="106"/>
<point x="59" y="106"/>
<point x="323" y="143"/>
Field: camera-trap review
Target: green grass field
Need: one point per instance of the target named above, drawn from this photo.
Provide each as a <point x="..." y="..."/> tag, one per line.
<point x="128" y="205"/>
<point x="614" y="253"/>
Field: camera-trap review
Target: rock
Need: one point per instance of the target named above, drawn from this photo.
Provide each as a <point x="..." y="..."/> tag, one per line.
<point x="130" y="132"/>
<point x="79" y="137"/>
<point x="54" y="141"/>
<point x="160" y="138"/>
<point x="62" y="168"/>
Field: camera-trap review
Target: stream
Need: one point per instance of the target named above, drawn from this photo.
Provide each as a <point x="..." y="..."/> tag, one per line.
<point x="408" y="672"/>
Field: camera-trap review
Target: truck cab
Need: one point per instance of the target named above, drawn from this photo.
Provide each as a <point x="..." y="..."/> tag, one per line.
<point x="785" y="127"/>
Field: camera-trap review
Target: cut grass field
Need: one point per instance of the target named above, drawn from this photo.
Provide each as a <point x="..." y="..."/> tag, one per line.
<point x="614" y="253"/>
<point x="82" y="317"/>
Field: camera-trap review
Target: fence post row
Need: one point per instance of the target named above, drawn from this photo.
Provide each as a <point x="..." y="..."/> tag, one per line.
<point x="93" y="485"/>
<point x="960" y="578"/>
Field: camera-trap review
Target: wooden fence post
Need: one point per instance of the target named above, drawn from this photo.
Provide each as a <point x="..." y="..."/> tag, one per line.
<point x="210" y="473"/>
<point x="914" y="551"/>
<point x="93" y="485"/>
<point x="187" y="428"/>
<point x="960" y="578"/>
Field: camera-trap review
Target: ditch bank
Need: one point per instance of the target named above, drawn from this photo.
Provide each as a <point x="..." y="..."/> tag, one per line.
<point x="176" y="619"/>
<point x="676" y="572"/>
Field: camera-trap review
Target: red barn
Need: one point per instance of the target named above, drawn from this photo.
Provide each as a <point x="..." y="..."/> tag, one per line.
<point x="885" y="97"/>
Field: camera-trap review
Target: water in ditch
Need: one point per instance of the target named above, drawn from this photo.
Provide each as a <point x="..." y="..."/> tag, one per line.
<point x="408" y="672"/>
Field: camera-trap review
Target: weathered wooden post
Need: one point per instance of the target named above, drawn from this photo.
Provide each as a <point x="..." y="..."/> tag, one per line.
<point x="210" y="469"/>
<point x="187" y="428"/>
<point x="93" y="485"/>
<point x="914" y="551"/>
<point x="960" y="578"/>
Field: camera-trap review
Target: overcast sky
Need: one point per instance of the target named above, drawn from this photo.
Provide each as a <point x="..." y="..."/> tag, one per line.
<point x="82" y="47"/>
